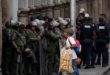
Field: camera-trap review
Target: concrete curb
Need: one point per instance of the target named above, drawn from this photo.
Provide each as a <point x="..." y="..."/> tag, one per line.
<point x="108" y="69"/>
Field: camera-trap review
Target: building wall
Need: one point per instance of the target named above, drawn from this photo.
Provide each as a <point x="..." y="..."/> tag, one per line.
<point x="96" y="7"/>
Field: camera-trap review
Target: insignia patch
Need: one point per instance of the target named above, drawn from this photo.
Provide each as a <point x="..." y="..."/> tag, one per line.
<point x="101" y="27"/>
<point x="87" y="26"/>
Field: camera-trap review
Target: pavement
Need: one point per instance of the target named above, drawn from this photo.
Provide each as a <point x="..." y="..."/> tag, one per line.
<point x="94" y="71"/>
<point x="98" y="70"/>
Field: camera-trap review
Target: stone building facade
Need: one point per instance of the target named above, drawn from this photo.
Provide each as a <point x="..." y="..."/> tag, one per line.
<point x="53" y="8"/>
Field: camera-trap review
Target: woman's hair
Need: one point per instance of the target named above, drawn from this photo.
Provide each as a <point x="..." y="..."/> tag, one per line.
<point x="69" y="31"/>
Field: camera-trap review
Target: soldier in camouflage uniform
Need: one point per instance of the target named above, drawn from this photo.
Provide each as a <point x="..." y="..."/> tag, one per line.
<point x="7" y="49"/>
<point x="32" y="61"/>
<point x="19" y="42"/>
<point x="53" y="36"/>
<point x="62" y="27"/>
<point x="22" y="33"/>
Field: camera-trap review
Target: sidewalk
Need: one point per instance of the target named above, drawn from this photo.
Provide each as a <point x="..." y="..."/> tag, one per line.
<point x="95" y="71"/>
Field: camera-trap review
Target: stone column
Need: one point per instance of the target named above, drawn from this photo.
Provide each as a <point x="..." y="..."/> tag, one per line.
<point x="89" y="7"/>
<point x="50" y="12"/>
<point x="31" y="4"/>
<point x="44" y="3"/>
<point x="100" y="6"/>
<point x="37" y="4"/>
<point x="95" y="10"/>
<point x="23" y="5"/>
<point x="13" y="9"/>
<point x="56" y="12"/>
<point x="0" y="32"/>
<point x="108" y="9"/>
<point x="73" y="12"/>
<point x="67" y="11"/>
<point x="50" y="2"/>
<point x="57" y="2"/>
<point x="83" y="4"/>
<point x="23" y="17"/>
<point x="23" y="8"/>
<point x="62" y="11"/>
<point x="5" y="14"/>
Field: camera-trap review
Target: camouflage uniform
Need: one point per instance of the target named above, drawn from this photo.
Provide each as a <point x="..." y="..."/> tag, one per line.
<point x="7" y="51"/>
<point x="32" y="61"/>
<point x="52" y="36"/>
<point x="19" y="42"/>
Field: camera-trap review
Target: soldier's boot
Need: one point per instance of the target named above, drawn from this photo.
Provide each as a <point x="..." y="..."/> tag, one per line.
<point x="17" y="69"/>
<point x="21" y="69"/>
<point x="27" y="69"/>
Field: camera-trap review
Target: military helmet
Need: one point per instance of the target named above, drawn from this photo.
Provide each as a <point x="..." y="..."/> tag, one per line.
<point x="11" y="23"/>
<point x="54" y="23"/>
<point x="42" y="22"/>
<point x="82" y="10"/>
<point x="37" y="21"/>
<point x="22" y="26"/>
<point x="14" y="24"/>
<point x="8" y="24"/>
<point x="33" y="23"/>
<point x="63" y="22"/>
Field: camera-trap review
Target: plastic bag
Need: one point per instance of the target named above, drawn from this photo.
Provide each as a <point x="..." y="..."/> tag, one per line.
<point x="66" y="61"/>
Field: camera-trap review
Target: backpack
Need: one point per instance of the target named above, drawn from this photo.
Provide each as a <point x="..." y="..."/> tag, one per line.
<point x="78" y="46"/>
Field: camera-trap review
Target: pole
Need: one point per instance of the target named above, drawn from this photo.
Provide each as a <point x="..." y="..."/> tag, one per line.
<point x="73" y="13"/>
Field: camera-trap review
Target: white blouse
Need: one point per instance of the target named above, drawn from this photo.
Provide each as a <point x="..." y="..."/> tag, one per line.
<point x="72" y="41"/>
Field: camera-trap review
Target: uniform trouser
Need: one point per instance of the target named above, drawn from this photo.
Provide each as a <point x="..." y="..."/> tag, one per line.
<point x="102" y="51"/>
<point x="6" y="60"/>
<point x="53" y="60"/>
<point x="87" y="44"/>
<point x="83" y="55"/>
<point x="52" y="64"/>
<point x="93" y="56"/>
<point x="30" y="63"/>
<point x="105" y="55"/>
<point x="19" y="65"/>
<point x="88" y="54"/>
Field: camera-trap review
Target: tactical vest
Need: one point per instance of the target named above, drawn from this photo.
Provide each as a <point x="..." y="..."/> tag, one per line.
<point x="102" y="31"/>
<point x="86" y="31"/>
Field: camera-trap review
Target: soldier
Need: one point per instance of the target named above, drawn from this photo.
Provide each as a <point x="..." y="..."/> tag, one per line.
<point x="32" y="51"/>
<point x="42" y="47"/>
<point x="7" y="49"/>
<point x="102" y="40"/>
<point x="22" y="33"/>
<point x="62" y="27"/>
<point x="52" y="47"/>
<point x="86" y="38"/>
<point x="19" y="42"/>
